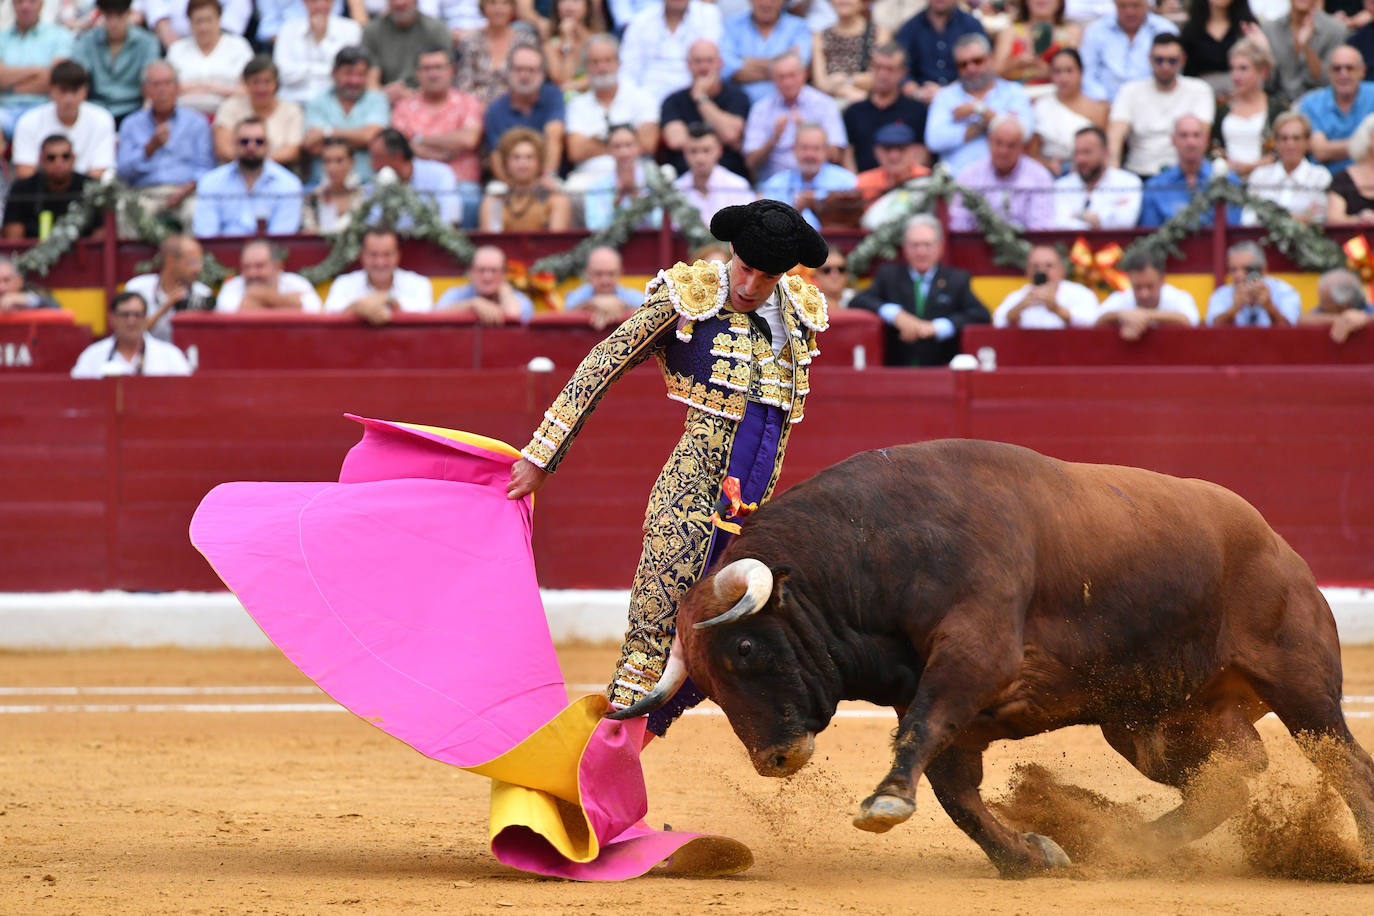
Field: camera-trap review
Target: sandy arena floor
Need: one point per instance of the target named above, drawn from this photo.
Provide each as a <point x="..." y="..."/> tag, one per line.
<point x="152" y="808"/>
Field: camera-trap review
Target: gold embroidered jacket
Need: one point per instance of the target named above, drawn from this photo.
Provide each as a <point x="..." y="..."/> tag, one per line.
<point x="712" y="358"/>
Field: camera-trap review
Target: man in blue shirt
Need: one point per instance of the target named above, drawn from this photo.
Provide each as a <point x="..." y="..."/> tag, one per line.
<point x="532" y="102"/>
<point x="250" y="196"/>
<point x="957" y="126"/>
<point x="1251" y="299"/>
<point x="1175" y="187"/>
<point x="751" y="40"/>
<point x="164" y="148"/>
<point x="1116" y="49"/>
<point x="27" y="52"/>
<point x="813" y="179"/>
<point x="433" y="181"/>
<point x="349" y="110"/>
<point x="1336" y="110"/>
<point x="929" y="38"/>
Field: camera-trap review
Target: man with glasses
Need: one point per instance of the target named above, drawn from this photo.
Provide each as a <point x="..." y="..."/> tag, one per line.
<point x="532" y="102"/>
<point x="1116" y="49"/>
<point x="251" y="195"/>
<point x="1252" y="299"/>
<point x="832" y="279"/>
<point x="1301" y="43"/>
<point x="928" y="38"/>
<point x="37" y="202"/>
<point x="1336" y="110"/>
<point x="130" y="349"/>
<point x="1145" y="111"/>
<point x="957" y="127"/>
<point x="176" y="286"/>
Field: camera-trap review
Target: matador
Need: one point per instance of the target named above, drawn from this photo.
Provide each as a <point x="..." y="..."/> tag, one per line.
<point x="734" y="343"/>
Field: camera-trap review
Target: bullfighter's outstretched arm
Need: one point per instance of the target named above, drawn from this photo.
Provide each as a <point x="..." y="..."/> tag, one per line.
<point x="638" y="338"/>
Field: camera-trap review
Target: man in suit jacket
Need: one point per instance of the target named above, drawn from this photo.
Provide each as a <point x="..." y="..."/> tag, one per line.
<point x="924" y="303"/>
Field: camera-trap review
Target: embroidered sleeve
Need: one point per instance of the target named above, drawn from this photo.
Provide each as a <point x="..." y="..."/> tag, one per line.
<point x="643" y="333"/>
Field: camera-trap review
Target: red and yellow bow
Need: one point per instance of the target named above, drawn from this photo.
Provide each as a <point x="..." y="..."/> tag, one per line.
<point x="1357" y="255"/>
<point x="1097" y="269"/>
<point x="542" y="287"/>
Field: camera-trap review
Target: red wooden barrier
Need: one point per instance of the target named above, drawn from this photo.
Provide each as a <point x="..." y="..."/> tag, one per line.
<point x="437" y="341"/>
<point x="1168" y="346"/>
<point x="40" y="340"/>
<point x="101" y="477"/>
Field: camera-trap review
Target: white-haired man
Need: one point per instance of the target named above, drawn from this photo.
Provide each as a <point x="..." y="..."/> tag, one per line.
<point x="608" y="101"/>
<point x="962" y="112"/>
<point x="770" y="134"/>
<point x="1014" y="184"/>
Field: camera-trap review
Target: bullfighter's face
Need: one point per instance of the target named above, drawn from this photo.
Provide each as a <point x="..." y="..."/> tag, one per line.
<point x="751" y="669"/>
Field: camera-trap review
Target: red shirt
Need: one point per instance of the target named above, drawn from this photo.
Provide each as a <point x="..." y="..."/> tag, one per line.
<point x="417" y="116"/>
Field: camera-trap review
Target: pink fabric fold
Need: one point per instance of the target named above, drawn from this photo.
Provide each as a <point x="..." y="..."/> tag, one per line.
<point x="407" y="592"/>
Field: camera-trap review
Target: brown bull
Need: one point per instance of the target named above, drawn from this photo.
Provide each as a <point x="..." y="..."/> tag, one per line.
<point x="989" y="592"/>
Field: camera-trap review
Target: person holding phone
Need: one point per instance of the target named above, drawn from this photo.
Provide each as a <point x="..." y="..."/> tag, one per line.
<point x="1252" y="299"/>
<point x="1048" y="301"/>
<point x="1023" y="52"/>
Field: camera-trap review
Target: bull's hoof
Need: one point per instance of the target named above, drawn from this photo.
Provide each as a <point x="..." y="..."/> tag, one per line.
<point x="880" y="813"/>
<point x="1055" y="856"/>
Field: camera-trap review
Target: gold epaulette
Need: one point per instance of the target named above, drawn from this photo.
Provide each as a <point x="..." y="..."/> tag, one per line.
<point x="808" y="301"/>
<point x="697" y="291"/>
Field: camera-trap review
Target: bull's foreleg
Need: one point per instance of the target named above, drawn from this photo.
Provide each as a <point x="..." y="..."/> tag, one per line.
<point x="955" y="685"/>
<point x="955" y="777"/>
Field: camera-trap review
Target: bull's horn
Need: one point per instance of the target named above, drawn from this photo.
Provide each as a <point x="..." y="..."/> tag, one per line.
<point x="757" y="581"/>
<point x="674" y="674"/>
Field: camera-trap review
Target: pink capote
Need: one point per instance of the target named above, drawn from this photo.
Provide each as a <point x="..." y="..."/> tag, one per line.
<point x="407" y="592"/>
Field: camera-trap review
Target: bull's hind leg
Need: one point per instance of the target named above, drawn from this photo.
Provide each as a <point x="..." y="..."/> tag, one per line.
<point x="955" y="777"/>
<point x="1206" y="755"/>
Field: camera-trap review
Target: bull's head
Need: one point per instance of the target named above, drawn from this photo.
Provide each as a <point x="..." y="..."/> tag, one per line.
<point x="735" y="638"/>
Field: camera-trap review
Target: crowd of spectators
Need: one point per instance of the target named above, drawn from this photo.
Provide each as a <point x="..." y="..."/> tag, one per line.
<point x="250" y="118"/>
<point x="216" y="111"/>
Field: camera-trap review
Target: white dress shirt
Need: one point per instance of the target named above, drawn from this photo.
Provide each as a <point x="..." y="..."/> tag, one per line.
<point x="307" y="65"/>
<point x="412" y="292"/>
<point x="1079" y="301"/>
<point x="1171" y="299"/>
<point x="1302" y="192"/>
<point x="658" y="57"/>
<point x="231" y="293"/>
<point x="1115" y="199"/>
<point x="102" y="360"/>
<point x="92" y="136"/>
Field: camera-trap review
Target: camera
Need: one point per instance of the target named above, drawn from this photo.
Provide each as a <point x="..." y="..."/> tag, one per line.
<point x="1039" y="278"/>
<point x="1253" y="273"/>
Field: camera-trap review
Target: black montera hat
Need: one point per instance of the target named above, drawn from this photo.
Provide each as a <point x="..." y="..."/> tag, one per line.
<point x="770" y="236"/>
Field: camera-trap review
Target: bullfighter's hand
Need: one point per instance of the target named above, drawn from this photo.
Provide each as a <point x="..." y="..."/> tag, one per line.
<point x="525" y="478"/>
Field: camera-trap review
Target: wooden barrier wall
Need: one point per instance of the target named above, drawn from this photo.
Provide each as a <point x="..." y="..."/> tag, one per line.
<point x="98" y="479"/>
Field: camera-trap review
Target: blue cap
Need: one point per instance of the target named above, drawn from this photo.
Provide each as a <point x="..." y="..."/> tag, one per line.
<point x="894" y="134"/>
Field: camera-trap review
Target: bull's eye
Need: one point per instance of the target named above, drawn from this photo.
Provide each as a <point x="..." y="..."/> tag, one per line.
<point x="745" y="647"/>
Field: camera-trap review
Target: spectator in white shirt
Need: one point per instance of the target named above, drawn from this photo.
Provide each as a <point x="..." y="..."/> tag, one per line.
<point x="1094" y="195"/>
<point x="1048" y="301"/>
<point x="610" y="100"/>
<point x="90" y="127"/>
<point x="1149" y="302"/>
<point x="175" y="287"/>
<point x="382" y="287"/>
<point x="209" y="62"/>
<point x="655" y="44"/>
<point x="130" y="349"/>
<point x="1145" y="111"/>
<point x="1294" y="182"/>
<point x="305" y="48"/>
<point x="708" y="185"/>
<point x="263" y="285"/>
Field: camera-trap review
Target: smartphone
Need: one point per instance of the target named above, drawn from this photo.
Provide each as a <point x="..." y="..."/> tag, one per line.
<point x="1039" y="278"/>
<point x="1042" y="36"/>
